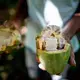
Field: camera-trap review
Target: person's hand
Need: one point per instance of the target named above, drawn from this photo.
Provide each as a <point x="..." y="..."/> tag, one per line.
<point x="21" y="29"/>
<point x="72" y="57"/>
<point x="15" y="25"/>
<point x="70" y="29"/>
<point x="72" y="61"/>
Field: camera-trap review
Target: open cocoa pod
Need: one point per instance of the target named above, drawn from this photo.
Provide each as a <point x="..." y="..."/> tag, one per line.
<point x="52" y="50"/>
<point x="9" y="39"/>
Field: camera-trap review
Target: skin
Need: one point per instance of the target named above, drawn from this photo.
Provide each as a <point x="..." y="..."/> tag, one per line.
<point x="70" y="29"/>
<point x="21" y="14"/>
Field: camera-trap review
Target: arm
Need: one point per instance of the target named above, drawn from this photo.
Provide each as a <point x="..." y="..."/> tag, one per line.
<point x="72" y="27"/>
<point x="21" y="10"/>
<point x="21" y="14"/>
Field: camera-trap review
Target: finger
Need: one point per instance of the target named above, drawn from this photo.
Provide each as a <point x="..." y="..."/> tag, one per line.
<point x="72" y="58"/>
<point x="41" y="67"/>
<point x="77" y="14"/>
<point x="37" y="59"/>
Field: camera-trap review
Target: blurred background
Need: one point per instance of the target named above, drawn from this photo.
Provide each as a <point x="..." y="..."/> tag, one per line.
<point x="12" y="65"/>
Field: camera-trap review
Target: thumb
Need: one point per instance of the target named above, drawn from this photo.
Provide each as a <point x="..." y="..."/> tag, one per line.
<point x="41" y="67"/>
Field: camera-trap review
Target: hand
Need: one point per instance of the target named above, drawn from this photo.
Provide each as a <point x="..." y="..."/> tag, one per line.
<point x="69" y="31"/>
<point x="21" y="29"/>
<point x="16" y="25"/>
<point x="72" y="57"/>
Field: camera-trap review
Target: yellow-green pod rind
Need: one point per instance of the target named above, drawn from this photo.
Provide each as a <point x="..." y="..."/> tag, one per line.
<point x="55" y="61"/>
